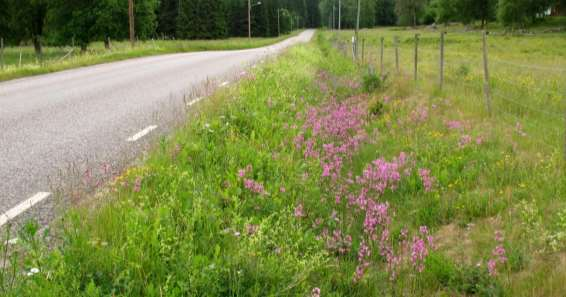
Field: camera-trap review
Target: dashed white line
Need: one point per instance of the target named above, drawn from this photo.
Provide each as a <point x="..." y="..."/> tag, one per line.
<point x="195" y="101"/>
<point x="22" y="207"/>
<point x="142" y="133"/>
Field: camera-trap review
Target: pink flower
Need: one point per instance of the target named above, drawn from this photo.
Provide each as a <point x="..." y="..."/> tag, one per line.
<point x="251" y="229"/>
<point x="426" y="179"/>
<point x="464" y="140"/>
<point x="519" y="129"/>
<point x="282" y="189"/>
<point x="454" y="125"/>
<point x="499" y="236"/>
<point x="479" y="140"/>
<point x="137" y="184"/>
<point x="299" y="211"/>
<point x="363" y="254"/>
<point x="254" y="186"/>
<point x="315" y="292"/>
<point x="492" y="267"/>
<point x="420" y="114"/>
<point x="241" y="173"/>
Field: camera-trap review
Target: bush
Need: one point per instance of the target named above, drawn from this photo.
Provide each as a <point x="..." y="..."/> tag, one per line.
<point x="371" y="83"/>
<point x="474" y="280"/>
<point x="376" y="108"/>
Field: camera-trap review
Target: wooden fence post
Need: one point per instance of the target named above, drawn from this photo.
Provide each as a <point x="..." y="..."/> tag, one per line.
<point x="1" y="53"/>
<point x="354" y="49"/>
<point x="381" y="57"/>
<point x="363" y="49"/>
<point x="416" y="56"/>
<point x="441" y="82"/>
<point x="486" y="85"/>
<point x="396" y="41"/>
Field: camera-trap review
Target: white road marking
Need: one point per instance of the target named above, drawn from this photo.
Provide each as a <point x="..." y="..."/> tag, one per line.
<point x="22" y="207"/>
<point x="224" y="84"/>
<point x="195" y="101"/>
<point x="12" y="241"/>
<point x="142" y="133"/>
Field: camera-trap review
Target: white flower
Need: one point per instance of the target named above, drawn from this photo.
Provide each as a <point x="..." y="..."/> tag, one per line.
<point x="33" y="271"/>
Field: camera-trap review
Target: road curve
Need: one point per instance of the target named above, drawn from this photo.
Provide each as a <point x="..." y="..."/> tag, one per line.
<point x="50" y="121"/>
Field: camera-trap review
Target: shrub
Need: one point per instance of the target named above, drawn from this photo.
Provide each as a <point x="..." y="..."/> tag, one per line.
<point x="371" y="83"/>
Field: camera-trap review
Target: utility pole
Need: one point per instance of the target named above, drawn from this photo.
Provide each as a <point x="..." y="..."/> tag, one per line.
<point x="333" y="16"/>
<point x="249" y="19"/>
<point x="339" y="14"/>
<point x="131" y="17"/>
<point x="279" y="21"/>
<point x="357" y="28"/>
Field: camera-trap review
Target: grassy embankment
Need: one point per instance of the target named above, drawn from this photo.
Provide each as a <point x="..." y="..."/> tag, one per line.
<point x="63" y="58"/>
<point x="308" y="178"/>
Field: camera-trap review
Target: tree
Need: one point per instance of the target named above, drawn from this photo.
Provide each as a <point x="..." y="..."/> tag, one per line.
<point x="471" y="10"/>
<point x="408" y="11"/>
<point x="168" y="13"/>
<point x="385" y="12"/>
<point x="202" y="19"/>
<point x="28" y="21"/>
<point x="5" y="26"/>
<point x="446" y="10"/>
<point x="85" y="21"/>
<point x="513" y="13"/>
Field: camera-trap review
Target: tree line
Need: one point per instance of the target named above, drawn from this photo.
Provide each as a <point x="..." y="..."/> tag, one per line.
<point x="510" y="13"/>
<point x="80" y="22"/>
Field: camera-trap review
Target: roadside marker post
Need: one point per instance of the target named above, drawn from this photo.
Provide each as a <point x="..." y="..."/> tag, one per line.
<point x="2" y="53"/>
<point x="416" y="56"/>
<point x="396" y="41"/>
<point x="486" y="85"/>
<point x="381" y="57"/>
<point x="441" y="82"/>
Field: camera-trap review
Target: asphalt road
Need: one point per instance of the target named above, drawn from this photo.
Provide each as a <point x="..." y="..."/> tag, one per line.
<point x="53" y="126"/>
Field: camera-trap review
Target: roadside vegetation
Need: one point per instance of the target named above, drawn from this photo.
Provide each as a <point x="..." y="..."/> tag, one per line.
<point x="329" y="180"/>
<point x="55" y="59"/>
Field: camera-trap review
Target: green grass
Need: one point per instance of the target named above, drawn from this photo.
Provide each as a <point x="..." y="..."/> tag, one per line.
<point x="185" y="224"/>
<point x="63" y="58"/>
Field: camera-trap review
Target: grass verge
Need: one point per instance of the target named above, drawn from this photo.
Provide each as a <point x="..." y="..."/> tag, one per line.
<point x="317" y="180"/>
<point x="58" y="58"/>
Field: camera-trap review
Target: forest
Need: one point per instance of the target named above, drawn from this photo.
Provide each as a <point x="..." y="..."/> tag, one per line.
<point x="509" y="13"/>
<point x="79" y="22"/>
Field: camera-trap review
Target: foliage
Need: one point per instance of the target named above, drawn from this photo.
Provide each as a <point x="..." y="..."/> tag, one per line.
<point x="371" y="82"/>
<point x="409" y="11"/>
<point x="520" y="13"/>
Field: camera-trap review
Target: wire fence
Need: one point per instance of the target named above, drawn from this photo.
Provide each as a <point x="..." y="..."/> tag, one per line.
<point x="538" y="105"/>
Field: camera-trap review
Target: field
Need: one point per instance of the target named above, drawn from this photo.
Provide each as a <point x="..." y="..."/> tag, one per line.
<point x="324" y="180"/>
<point x="62" y="58"/>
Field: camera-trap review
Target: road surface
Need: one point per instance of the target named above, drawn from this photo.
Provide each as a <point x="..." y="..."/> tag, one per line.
<point x="53" y="126"/>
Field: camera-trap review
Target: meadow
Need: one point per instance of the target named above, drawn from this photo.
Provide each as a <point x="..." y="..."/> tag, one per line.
<point x="331" y="180"/>
<point x="22" y="61"/>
